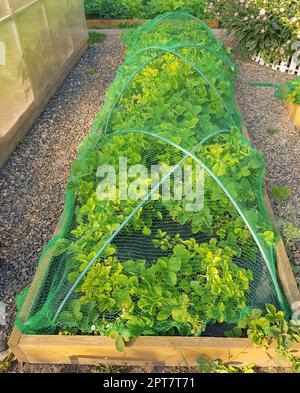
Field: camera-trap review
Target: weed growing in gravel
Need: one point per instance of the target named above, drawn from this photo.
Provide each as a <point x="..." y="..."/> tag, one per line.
<point x="91" y="71"/>
<point x="95" y="38"/>
<point x="23" y="140"/>
<point x="290" y="232"/>
<point x="272" y="131"/>
<point x="214" y="366"/>
<point x="107" y="369"/>
<point x="280" y="194"/>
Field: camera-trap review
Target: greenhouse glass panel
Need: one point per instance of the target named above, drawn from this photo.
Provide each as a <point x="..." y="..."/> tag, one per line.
<point x="39" y="41"/>
<point x="76" y="20"/>
<point x="36" y="44"/>
<point x="59" y="29"/>
<point x="18" y="4"/>
<point x="14" y="81"/>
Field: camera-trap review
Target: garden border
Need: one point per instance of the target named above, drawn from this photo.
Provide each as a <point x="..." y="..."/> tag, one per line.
<point x="118" y="23"/>
<point x="162" y="350"/>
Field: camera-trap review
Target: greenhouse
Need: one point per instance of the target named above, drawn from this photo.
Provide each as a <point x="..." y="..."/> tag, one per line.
<point x="149" y="187"/>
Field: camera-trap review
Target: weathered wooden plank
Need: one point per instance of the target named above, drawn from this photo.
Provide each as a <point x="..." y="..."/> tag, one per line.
<point x="117" y="23"/>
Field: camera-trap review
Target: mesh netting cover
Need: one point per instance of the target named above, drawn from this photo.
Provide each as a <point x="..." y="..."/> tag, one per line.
<point x="149" y="265"/>
<point x="289" y="90"/>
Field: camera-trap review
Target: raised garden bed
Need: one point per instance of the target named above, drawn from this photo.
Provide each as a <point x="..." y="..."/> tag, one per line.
<point x="54" y="281"/>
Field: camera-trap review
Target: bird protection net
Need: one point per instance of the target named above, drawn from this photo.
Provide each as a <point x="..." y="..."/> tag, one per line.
<point x="165" y="228"/>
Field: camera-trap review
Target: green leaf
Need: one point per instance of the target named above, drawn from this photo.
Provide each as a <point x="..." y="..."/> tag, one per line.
<point x="163" y="315"/>
<point x="174" y="264"/>
<point x="146" y="231"/>
<point x="120" y="344"/>
<point x="268" y="237"/>
<point x="181" y="252"/>
<point x="255" y="313"/>
<point x="184" y="329"/>
<point x="172" y="278"/>
<point x="184" y="285"/>
<point x="219" y="169"/>
<point x="136" y="326"/>
<point x="271" y="309"/>
<point x="72" y="277"/>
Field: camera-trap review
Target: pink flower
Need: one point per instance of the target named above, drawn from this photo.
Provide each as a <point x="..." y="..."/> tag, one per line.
<point x="298" y="36"/>
<point x="262" y="31"/>
<point x="246" y="18"/>
<point x="262" y="12"/>
<point x="265" y="18"/>
<point x="236" y="14"/>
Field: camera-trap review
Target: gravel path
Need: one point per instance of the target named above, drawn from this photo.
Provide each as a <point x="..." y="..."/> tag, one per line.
<point x="272" y="131"/>
<point x="32" y="184"/>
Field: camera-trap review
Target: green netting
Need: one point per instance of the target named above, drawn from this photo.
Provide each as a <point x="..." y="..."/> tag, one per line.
<point x="153" y="265"/>
<point x="289" y="91"/>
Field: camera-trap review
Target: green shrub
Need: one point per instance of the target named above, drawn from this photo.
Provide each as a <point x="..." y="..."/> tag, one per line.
<point x="156" y="7"/>
<point x="280" y="193"/>
<point x="95" y="38"/>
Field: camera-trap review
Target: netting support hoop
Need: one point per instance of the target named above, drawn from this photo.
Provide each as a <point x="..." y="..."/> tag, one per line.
<point x="144" y="200"/>
<point x="160" y="18"/>
<point x="164" y="50"/>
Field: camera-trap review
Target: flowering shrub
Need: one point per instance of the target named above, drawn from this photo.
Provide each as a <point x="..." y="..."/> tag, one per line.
<point x="269" y="27"/>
